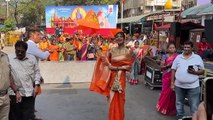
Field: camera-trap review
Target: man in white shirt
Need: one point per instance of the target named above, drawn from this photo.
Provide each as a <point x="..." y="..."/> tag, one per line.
<point x="26" y="74"/>
<point x="186" y="69"/>
<point x="34" y="36"/>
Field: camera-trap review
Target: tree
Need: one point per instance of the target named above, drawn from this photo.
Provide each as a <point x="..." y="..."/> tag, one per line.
<point x="9" y="25"/>
<point x="26" y="12"/>
<point x="18" y="7"/>
<point x="33" y="13"/>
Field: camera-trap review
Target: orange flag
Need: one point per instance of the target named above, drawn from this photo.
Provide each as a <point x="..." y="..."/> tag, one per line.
<point x="90" y="20"/>
<point x="114" y="32"/>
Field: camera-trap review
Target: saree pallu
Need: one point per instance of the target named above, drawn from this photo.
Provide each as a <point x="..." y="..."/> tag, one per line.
<point x="146" y="51"/>
<point x="103" y="80"/>
<point x="166" y="103"/>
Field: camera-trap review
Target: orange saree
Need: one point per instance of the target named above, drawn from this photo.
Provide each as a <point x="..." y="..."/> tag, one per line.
<point x="104" y="79"/>
<point x="54" y="55"/>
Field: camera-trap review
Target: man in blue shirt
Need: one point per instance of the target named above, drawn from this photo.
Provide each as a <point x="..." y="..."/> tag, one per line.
<point x="186" y="69"/>
<point x="34" y="38"/>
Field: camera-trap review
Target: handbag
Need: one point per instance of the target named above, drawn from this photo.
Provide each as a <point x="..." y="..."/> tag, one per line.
<point x="90" y="55"/>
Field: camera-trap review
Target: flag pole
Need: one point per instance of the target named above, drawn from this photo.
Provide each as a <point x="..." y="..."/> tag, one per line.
<point x="179" y="19"/>
<point x="122" y="9"/>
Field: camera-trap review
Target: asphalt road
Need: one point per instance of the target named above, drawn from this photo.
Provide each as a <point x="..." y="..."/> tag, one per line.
<point x="76" y="102"/>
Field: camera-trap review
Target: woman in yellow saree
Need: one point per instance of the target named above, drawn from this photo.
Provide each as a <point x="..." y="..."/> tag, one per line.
<point x="109" y="77"/>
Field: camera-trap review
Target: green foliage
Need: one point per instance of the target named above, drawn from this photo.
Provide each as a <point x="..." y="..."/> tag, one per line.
<point x="9" y="25"/>
<point x="32" y="14"/>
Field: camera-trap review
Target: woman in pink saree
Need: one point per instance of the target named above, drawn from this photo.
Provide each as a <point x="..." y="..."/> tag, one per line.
<point x="166" y="102"/>
<point x="109" y="77"/>
<point x="84" y="50"/>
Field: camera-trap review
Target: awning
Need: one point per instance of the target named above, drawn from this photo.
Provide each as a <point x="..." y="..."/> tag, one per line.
<point x="207" y="11"/>
<point x="131" y="19"/>
<point x="198" y="10"/>
<point x="184" y="26"/>
<point x="136" y="19"/>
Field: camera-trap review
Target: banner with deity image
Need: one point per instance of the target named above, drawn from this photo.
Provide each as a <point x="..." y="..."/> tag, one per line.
<point x="96" y="17"/>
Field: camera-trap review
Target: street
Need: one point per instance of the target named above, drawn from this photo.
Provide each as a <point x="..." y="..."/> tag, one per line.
<point x="76" y="102"/>
<point x="68" y="37"/>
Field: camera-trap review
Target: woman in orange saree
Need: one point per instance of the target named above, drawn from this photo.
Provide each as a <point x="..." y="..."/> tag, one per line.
<point x="109" y="77"/>
<point x="54" y="49"/>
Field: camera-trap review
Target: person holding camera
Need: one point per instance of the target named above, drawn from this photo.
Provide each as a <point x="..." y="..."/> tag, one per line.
<point x="186" y="69"/>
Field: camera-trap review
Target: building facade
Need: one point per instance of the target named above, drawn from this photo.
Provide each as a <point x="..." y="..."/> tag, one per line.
<point x="138" y="7"/>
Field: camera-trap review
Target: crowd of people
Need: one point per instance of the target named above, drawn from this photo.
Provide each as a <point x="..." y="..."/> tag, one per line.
<point x="180" y="77"/>
<point x="79" y="47"/>
<point x="114" y="57"/>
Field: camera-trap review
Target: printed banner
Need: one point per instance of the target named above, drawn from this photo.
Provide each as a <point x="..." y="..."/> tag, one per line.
<point x="81" y="16"/>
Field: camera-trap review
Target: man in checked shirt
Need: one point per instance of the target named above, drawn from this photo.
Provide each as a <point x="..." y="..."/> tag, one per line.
<point x="26" y="74"/>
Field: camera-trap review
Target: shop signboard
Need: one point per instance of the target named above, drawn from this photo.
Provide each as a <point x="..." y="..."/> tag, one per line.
<point x="169" y="19"/>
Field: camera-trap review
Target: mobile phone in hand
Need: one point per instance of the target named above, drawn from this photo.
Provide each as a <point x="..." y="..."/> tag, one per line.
<point x="208" y="96"/>
<point x="190" y="67"/>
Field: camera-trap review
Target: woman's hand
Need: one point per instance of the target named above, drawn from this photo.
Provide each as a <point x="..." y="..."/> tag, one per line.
<point x="112" y="67"/>
<point x="172" y="86"/>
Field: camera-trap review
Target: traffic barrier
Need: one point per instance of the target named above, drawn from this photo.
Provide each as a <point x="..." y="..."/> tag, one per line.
<point x="67" y="71"/>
